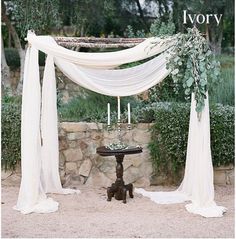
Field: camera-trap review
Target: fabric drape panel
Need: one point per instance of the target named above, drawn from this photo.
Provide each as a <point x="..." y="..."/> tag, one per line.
<point x="197" y="185"/>
<point x="32" y="197"/>
<point x="30" y="116"/>
<point x="105" y="60"/>
<point x="50" y="149"/>
<point x="198" y="177"/>
<point x="123" y="82"/>
<point x="40" y="173"/>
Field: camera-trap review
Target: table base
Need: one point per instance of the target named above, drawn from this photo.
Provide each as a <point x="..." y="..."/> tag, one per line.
<point x="119" y="191"/>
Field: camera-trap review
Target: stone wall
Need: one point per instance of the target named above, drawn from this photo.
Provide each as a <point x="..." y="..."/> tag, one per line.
<point x="79" y="163"/>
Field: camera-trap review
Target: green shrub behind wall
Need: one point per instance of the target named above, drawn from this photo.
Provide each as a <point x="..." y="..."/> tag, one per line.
<point x="11" y="121"/>
<point x="169" y="136"/>
<point x="222" y="134"/>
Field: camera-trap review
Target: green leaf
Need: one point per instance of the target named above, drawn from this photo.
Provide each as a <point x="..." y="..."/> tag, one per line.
<point x="203" y="82"/>
<point x="187" y="91"/>
<point x="190" y="81"/>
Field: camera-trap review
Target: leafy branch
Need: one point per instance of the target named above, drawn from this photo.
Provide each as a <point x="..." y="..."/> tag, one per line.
<point x="193" y="65"/>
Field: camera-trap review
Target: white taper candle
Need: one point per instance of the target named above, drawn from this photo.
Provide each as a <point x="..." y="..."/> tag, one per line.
<point x="129" y="116"/>
<point x="108" y="114"/>
<point x="118" y="99"/>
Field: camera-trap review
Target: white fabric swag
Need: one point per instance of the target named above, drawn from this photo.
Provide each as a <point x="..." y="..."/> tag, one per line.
<point x="39" y="162"/>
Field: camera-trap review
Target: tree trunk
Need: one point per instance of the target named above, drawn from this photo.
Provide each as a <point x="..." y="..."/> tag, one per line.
<point x="215" y="33"/>
<point x="5" y="70"/>
<point x="141" y="14"/>
<point x="22" y="66"/>
<point x="17" y="44"/>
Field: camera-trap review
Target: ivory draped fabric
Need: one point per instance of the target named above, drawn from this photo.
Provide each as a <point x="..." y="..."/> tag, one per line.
<point x="197" y="185"/>
<point x="39" y="136"/>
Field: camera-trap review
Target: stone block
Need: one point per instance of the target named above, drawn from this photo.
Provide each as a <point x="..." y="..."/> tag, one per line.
<point x="71" y="167"/>
<point x="110" y="134"/>
<point x="73" y="154"/>
<point x="72" y="144"/>
<point x="219" y="177"/>
<point x="62" y="176"/>
<point x="135" y="159"/>
<point x="74" y="127"/>
<point x="78" y="135"/>
<point x="108" y="165"/>
<point x="66" y="181"/>
<point x="128" y="138"/>
<point x="95" y="135"/>
<point x="83" y="145"/>
<point x="91" y="150"/>
<point x="131" y="175"/>
<point x="62" y="133"/>
<point x="92" y="126"/>
<point x="61" y="160"/>
<point x="127" y="162"/>
<point x="146" y="168"/>
<point x="62" y="143"/>
<point x="97" y="178"/>
<point x="111" y="176"/>
<point x="230" y="177"/>
<point x="85" y="168"/>
<point x="142" y="182"/>
<point x="141" y="136"/>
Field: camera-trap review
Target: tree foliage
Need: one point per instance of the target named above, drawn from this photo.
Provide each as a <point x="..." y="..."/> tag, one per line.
<point x="217" y="35"/>
<point x="38" y="15"/>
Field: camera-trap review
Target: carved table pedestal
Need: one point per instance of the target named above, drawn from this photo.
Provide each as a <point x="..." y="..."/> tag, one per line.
<point x="119" y="189"/>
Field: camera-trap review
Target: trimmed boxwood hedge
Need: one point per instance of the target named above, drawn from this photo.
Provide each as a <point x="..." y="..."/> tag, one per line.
<point x="169" y="136"/>
<point x="11" y="124"/>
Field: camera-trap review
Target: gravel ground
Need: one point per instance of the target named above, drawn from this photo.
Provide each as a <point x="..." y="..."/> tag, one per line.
<point x="89" y="215"/>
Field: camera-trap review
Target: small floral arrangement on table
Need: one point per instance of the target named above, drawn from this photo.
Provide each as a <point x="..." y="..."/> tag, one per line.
<point x="117" y="146"/>
<point x="120" y="146"/>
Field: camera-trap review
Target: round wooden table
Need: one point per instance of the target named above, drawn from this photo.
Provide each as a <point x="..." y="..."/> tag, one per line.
<point x="119" y="189"/>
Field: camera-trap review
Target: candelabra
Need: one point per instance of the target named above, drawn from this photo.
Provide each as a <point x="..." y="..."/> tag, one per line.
<point x="120" y="144"/>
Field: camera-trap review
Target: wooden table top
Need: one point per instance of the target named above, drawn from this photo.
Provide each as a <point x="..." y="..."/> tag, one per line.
<point x="104" y="151"/>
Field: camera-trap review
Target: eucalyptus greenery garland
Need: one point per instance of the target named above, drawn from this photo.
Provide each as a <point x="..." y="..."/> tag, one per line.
<point x="193" y="65"/>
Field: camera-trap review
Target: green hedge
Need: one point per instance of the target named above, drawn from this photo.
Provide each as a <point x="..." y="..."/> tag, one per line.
<point x="222" y="134"/>
<point x="11" y="121"/>
<point x="169" y="136"/>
